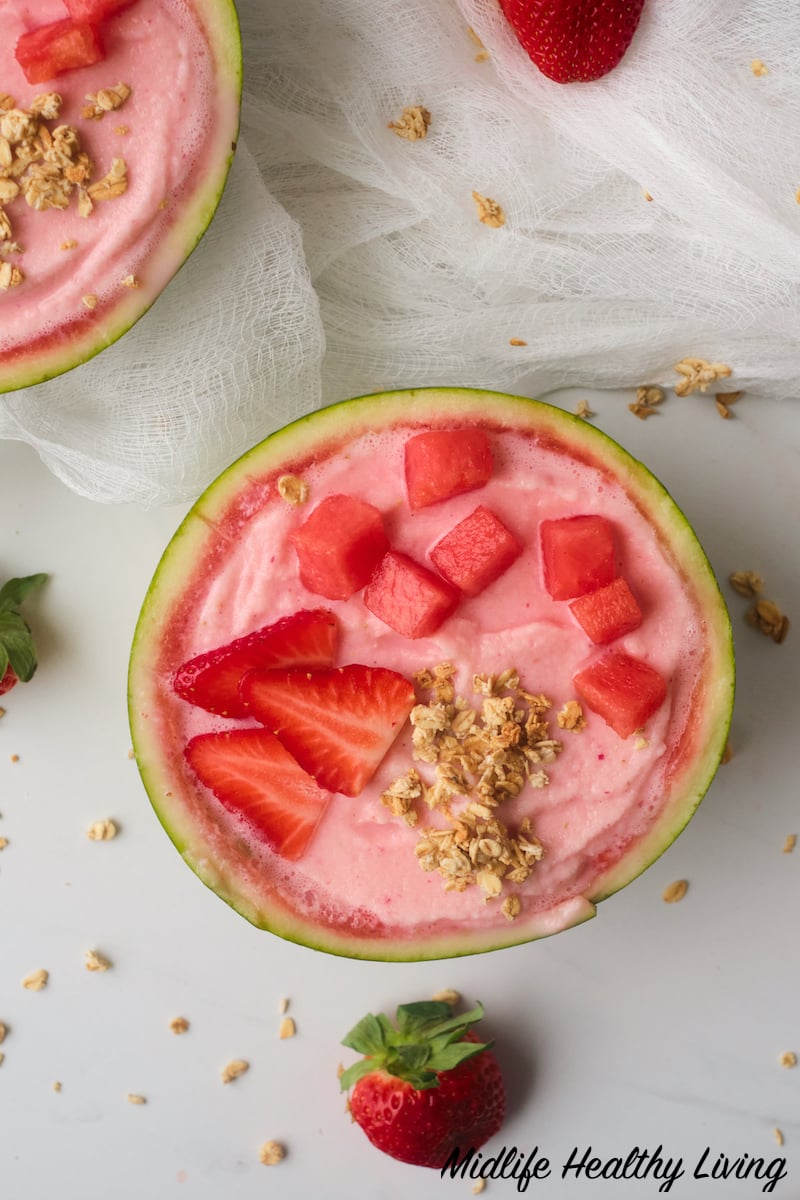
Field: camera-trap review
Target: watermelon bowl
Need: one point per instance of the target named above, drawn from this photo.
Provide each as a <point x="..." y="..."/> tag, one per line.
<point x="428" y="674"/>
<point x="118" y="124"/>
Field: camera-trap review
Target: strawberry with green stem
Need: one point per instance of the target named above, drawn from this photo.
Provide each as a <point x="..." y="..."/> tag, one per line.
<point x="17" y="651"/>
<point x="427" y="1086"/>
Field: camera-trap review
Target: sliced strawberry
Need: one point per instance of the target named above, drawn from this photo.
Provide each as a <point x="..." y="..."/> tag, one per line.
<point x="574" y="41"/>
<point x="95" y="10"/>
<point x="305" y="639"/>
<point x="338" y="723"/>
<point x="45" y="52"/>
<point x="256" y="778"/>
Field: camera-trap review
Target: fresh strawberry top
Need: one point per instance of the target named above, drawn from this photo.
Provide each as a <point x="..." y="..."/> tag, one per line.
<point x="17" y="650"/>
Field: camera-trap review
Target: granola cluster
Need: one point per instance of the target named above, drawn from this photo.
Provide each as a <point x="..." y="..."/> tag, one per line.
<point x="480" y="757"/>
<point x="48" y="166"/>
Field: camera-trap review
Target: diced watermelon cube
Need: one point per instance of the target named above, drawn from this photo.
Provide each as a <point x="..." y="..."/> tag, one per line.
<point x="408" y="597"/>
<point x="608" y="613"/>
<point x="60" y="46"/>
<point x="95" y="10"/>
<point x="624" y="691"/>
<point x="339" y="546"/>
<point x="444" y="463"/>
<point x="577" y="555"/>
<point x="475" y="552"/>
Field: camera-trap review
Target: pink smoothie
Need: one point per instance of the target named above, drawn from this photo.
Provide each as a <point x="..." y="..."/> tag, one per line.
<point x="360" y="871"/>
<point x="167" y="132"/>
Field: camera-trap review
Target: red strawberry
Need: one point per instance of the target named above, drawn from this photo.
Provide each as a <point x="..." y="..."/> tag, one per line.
<point x="426" y="1087"/>
<point x="574" y="41"/>
<point x="253" y="776"/>
<point x="17" y="651"/>
<point x="305" y="639"/>
<point x="338" y="724"/>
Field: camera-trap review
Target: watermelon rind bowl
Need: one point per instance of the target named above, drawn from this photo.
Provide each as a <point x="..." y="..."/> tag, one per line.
<point x="229" y="503"/>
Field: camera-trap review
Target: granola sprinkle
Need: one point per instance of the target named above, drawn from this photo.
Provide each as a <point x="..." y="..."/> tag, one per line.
<point x="95" y="961"/>
<point x="790" y="843"/>
<point x="271" y="1153"/>
<point x="697" y="374"/>
<point x="788" y="1059"/>
<point x="746" y="583"/>
<point x="517" y="341"/>
<point x="293" y="489"/>
<point x="36" y="981"/>
<point x="105" y="100"/>
<point x="447" y="996"/>
<point x="758" y="68"/>
<point x="489" y="211"/>
<point x="287" y="1028"/>
<point x="582" y="410"/>
<point x="234" y="1069"/>
<point x="179" y="1025"/>
<point x="674" y="892"/>
<point x="412" y="124"/>
<point x="646" y="403"/>
<point x="571" y="717"/>
<point x="135" y="1098"/>
<point x="767" y="618"/>
<point x="102" y="831"/>
<point x="483" y="53"/>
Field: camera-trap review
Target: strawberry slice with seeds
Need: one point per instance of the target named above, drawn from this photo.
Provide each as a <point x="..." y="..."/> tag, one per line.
<point x="305" y="639"/>
<point x="256" y="778"/>
<point x="338" y="723"/>
<point x="573" y="41"/>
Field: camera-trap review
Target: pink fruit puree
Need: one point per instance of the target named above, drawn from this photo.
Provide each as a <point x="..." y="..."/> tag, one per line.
<point x="159" y="49"/>
<point x="360" y="870"/>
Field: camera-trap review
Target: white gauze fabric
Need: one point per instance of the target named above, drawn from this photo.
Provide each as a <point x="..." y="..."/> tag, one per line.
<point x="605" y="287"/>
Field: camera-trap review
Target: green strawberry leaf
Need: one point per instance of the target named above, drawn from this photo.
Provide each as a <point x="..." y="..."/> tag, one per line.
<point x="16" y="640"/>
<point x="14" y="592"/>
<point x="356" y="1071"/>
<point x="413" y="1017"/>
<point x="456" y="1053"/>
<point x="412" y="1057"/>
<point x="368" y="1036"/>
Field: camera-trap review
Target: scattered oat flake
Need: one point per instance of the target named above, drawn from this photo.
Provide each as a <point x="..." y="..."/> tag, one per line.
<point x="647" y="196"/>
<point x="479" y="1186"/>
<point x="90" y="300"/>
<point x="135" y="1098"/>
<point x="447" y="996"/>
<point x="511" y="907"/>
<point x="69" y="244"/>
<point x="517" y="342"/>
<point x="95" y="961"/>
<point x="283" y="1004"/>
<point x="14" y="758"/>
<point x="3" y="1032"/>
<point x="3" y="843"/>
<point x="746" y="583"/>
<point x="582" y="410"/>
<point x="36" y="981"/>
<point x="2" y="712"/>
<point x="758" y="67"/>
<point x="2" y="1058"/>
<point x="121" y="130"/>
<point x="767" y="618"/>
<point x="293" y="489"/>
<point x="179" y="1025"/>
<point x="287" y="1028"/>
<point x="571" y="717"/>
<point x="697" y="374"/>
<point x="788" y="845"/>
<point x="271" y="1153"/>
<point x="130" y="281"/>
<point x="788" y="1059"/>
<point x="674" y="892"/>
<point x="483" y="53"/>
<point x="105" y="100"/>
<point x="641" y="743"/>
<point x="412" y="124"/>
<point x="647" y="399"/>
<point x="489" y="211"/>
<point x="56" y="1085"/>
<point x="234" y="1069"/>
<point x="102" y="831"/>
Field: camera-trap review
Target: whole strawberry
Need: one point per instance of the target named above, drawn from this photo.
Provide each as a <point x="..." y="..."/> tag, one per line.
<point x="17" y="652"/>
<point x="426" y="1086"/>
<point x="574" y="41"/>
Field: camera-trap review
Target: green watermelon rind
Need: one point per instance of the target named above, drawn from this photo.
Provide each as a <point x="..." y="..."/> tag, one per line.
<point x="325" y="431"/>
<point x="67" y="348"/>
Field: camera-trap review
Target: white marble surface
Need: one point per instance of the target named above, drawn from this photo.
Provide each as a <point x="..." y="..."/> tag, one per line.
<point x="653" y="1026"/>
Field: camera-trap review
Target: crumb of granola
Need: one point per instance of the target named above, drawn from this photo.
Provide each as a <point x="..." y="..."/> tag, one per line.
<point x="102" y="831"/>
<point x="479" y="1186"/>
<point x="69" y="244"/>
<point x="582" y="410"/>
<point x="483" y="53"/>
<point x="723" y="401"/>
<point x="10" y="276"/>
<point x="283" y="1004"/>
<point x="293" y="489"/>
<point x="758" y="67"/>
<point x="2" y="712"/>
<point x="121" y="130"/>
<point x="234" y="1069"/>
<point x="412" y="124"/>
<point x="511" y="907"/>
<point x="674" y="892"/>
<point x="641" y="743"/>
<point x="113" y="184"/>
<point x="788" y="1059"/>
<point x="3" y="843"/>
<point x="489" y="211"/>
<point x="647" y="399"/>
<point x="790" y="843"/>
<point x="287" y="1028"/>
<point x="135" y="1098"/>
<point x="517" y="342"/>
<point x="2" y="1058"/>
<point x="36" y="981"/>
<point x="130" y="281"/>
<point x="399" y="797"/>
<point x="746" y="583"/>
<point x="767" y="618"/>
<point x="3" y="1032"/>
<point x="647" y="196"/>
<point x="447" y="996"/>
<point x="89" y="301"/>
<point x="727" y="754"/>
<point x="697" y="374"/>
<point x="571" y="717"/>
<point x="271" y="1153"/>
<point x="95" y="961"/>
<point x="105" y="100"/>
<point x="14" y="758"/>
<point x="179" y="1025"/>
<point x="56" y="1085"/>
